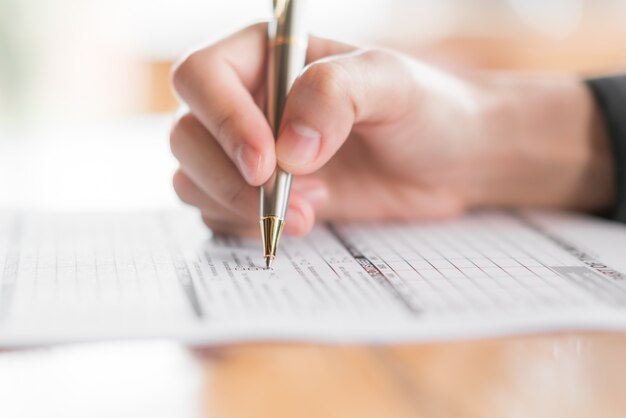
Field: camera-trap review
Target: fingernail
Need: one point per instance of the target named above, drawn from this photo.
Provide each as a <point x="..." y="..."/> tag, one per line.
<point x="248" y="161"/>
<point x="299" y="144"/>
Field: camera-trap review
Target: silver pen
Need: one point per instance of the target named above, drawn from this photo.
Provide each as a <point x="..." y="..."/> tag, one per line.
<point x="287" y="44"/>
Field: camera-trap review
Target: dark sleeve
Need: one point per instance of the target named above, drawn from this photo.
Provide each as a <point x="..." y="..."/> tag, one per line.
<point x="610" y="97"/>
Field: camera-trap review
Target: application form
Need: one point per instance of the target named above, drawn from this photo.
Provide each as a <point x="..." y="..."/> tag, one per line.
<point x="68" y="277"/>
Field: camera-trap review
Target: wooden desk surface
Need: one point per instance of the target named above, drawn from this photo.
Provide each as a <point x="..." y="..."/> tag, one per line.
<point x="566" y="375"/>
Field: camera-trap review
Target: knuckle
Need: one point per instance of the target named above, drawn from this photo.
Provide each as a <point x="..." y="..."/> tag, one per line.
<point x="327" y="79"/>
<point x="242" y="201"/>
<point x="180" y="132"/>
<point x="183" y="187"/>
<point x="184" y="70"/>
<point x="194" y="65"/>
<point x="234" y="199"/>
<point x="382" y="58"/>
<point x="218" y="226"/>
<point x="376" y="55"/>
<point x="225" y="125"/>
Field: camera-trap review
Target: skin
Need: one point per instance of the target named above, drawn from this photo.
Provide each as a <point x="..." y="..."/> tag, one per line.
<point x="375" y="135"/>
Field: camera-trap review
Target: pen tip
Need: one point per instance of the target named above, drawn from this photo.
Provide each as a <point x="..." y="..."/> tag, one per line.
<point x="271" y="227"/>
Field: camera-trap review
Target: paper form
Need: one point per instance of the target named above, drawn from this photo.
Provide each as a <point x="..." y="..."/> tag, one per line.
<point x="76" y="277"/>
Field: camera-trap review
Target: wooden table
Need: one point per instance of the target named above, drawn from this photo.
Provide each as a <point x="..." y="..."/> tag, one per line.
<point x="565" y="375"/>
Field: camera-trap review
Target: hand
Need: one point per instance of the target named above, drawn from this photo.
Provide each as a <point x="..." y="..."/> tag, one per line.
<point x="375" y="135"/>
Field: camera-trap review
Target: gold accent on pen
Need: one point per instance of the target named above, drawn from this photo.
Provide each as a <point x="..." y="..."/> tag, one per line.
<point x="288" y="40"/>
<point x="271" y="228"/>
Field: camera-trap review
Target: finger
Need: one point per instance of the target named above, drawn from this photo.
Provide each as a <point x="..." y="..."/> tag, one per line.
<point x="300" y="216"/>
<point x="216" y="87"/>
<point x="219" y="226"/>
<point x="309" y="192"/>
<point x="331" y="97"/>
<point x="299" y="221"/>
<point x="192" y="194"/>
<point x="204" y="162"/>
<point x="208" y="180"/>
<point x="313" y="190"/>
<point x="216" y="82"/>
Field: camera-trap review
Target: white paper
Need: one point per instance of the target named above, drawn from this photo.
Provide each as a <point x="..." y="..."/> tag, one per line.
<point x="75" y="277"/>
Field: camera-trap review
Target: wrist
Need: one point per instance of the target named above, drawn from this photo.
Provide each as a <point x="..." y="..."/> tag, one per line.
<point x="544" y="145"/>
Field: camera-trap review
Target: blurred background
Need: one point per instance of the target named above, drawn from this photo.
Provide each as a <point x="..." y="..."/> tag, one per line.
<point x="85" y="97"/>
<point x="72" y="61"/>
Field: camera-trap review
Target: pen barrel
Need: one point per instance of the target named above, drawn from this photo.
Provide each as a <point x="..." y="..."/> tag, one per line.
<point x="287" y="44"/>
<point x="275" y="195"/>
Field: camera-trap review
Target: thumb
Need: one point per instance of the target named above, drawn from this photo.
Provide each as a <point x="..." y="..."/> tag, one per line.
<point x="330" y="97"/>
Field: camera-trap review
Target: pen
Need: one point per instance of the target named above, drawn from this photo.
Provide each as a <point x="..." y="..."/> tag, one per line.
<point x="287" y="43"/>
